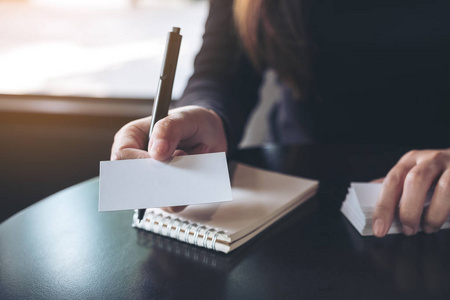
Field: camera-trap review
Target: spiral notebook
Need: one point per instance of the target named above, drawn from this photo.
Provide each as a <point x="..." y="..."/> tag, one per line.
<point x="260" y="198"/>
<point x="359" y="207"/>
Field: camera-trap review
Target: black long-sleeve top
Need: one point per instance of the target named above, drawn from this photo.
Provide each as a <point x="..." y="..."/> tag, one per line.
<point x="382" y="76"/>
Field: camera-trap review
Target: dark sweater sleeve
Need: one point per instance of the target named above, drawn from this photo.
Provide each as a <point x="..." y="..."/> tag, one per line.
<point x="224" y="79"/>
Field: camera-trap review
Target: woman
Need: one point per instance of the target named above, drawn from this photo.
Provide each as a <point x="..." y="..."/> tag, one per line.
<point x="351" y="72"/>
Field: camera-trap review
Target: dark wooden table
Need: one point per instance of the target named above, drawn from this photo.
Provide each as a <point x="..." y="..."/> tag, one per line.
<point x="63" y="248"/>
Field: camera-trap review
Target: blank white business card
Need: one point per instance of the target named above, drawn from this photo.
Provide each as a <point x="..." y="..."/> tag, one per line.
<point x="148" y="183"/>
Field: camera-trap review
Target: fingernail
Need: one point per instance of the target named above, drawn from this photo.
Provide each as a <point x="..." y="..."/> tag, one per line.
<point x="159" y="146"/>
<point x="429" y="229"/>
<point x="379" y="228"/>
<point x="408" y="230"/>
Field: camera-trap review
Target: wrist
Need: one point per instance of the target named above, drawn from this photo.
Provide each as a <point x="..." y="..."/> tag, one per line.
<point x="218" y="123"/>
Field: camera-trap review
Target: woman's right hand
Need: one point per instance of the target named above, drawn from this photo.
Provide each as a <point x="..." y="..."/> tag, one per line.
<point x="186" y="130"/>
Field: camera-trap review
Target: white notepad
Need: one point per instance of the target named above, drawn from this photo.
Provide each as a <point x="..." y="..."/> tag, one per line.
<point x="359" y="207"/>
<point x="260" y="198"/>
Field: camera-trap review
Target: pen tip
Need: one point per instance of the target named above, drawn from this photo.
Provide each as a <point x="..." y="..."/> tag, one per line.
<point x="176" y="29"/>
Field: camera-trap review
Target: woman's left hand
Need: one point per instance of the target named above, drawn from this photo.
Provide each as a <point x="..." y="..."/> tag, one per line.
<point x="408" y="183"/>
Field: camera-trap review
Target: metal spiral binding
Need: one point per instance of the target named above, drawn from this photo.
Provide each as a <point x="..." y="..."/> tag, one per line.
<point x="153" y="222"/>
<point x="188" y="230"/>
<point x="159" y="220"/>
<point x="147" y="224"/>
<point x="160" y="224"/>
<point x="197" y="231"/>
<point x="205" y="237"/>
<point x="213" y="245"/>
<point x="169" y="226"/>
<point x="179" y="228"/>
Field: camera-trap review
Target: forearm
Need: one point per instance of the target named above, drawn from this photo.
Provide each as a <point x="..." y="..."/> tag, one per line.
<point x="224" y="79"/>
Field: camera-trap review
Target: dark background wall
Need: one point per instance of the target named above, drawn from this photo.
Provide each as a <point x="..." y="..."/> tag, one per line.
<point x="42" y="153"/>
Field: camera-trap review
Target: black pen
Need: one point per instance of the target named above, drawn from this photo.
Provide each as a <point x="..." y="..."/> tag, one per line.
<point x="165" y="85"/>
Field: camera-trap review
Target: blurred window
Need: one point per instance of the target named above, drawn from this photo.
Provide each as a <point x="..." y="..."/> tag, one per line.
<point x="101" y="48"/>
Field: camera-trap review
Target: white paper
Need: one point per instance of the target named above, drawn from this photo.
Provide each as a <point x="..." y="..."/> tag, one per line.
<point x="367" y="194"/>
<point x="148" y="183"/>
<point x="360" y="203"/>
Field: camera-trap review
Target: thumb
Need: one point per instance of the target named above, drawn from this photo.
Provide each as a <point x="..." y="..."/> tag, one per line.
<point x="168" y="133"/>
<point x="129" y="153"/>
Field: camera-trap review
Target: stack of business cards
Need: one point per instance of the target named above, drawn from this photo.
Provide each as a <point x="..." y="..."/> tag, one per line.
<point x="359" y="207"/>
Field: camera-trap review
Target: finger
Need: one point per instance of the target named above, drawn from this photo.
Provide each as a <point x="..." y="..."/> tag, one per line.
<point x="133" y="135"/>
<point x="130" y="153"/>
<point x="389" y="198"/>
<point x="200" y="149"/>
<point x="168" y="133"/>
<point x="439" y="209"/>
<point x="179" y="153"/>
<point x="174" y="209"/>
<point x="378" y="180"/>
<point x="418" y="181"/>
